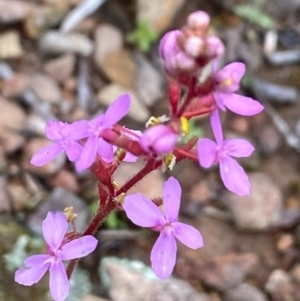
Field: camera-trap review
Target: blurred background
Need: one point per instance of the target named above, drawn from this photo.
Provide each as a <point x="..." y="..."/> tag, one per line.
<point x="69" y="59"/>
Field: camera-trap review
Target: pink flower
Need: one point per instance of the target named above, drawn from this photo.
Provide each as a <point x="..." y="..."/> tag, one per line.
<point x="159" y="139"/>
<point x="143" y="212"/>
<point x="209" y="152"/>
<point x="34" y="267"/>
<point x="227" y="81"/>
<point x="92" y="131"/>
<point x="60" y="144"/>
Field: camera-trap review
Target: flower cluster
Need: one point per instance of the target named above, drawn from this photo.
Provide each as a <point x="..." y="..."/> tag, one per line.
<point x="102" y="144"/>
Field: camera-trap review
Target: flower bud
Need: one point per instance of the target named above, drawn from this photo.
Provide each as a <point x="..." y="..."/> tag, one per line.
<point x="159" y="139"/>
<point x="214" y="47"/>
<point x="194" y="46"/>
<point x="198" y="19"/>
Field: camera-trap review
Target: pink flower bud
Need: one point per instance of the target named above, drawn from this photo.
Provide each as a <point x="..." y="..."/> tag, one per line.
<point x="168" y="46"/>
<point x="159" y="139"/>
<point x="198" y="19"/>
<point x="194" y="46"/>
<point x="214" y="47"/>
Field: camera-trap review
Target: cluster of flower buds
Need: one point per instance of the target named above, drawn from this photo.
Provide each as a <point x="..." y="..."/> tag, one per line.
<point x="101" y="144"/>
<point x="188" y="50"/>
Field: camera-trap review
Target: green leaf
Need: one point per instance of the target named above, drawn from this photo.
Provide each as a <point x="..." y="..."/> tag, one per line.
<point x="143" y="36"/>
<point x="254" y="14"/>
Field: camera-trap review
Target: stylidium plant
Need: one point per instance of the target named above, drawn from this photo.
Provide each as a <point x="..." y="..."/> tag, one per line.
<point x="102" y="144"/>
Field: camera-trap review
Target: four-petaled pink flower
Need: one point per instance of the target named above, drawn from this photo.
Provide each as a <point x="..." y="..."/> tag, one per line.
<point x="34" y="267"/>
<point x="60" y="144"/>
<point x="226" y="82"/>
<point x="143" y="212"/>
<point x="92" y="131"/>
<point x="209" y="152"/>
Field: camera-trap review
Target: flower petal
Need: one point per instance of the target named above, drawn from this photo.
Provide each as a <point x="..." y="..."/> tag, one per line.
<point x="130" y="158"/>
<point x="59" y="282"/>
<point x="79" y="248"/>
<point x="216" y="126"/>
<point x="76" y="130"/>
<point x="234" y="177"/>
<point x="142" y="211"/>
<point x="33" y="269"/>
<point x="117" y="110"/>
<point x="238" y="148"/>
<point x="188" y="235"/>
<point x="88" y="154"/>
<point x="54" y="227"/>
<point x="105" y="150"/>
<point x="242" y="105"/>
<point x="163" y="255"/>
<point x="207" y="152"/>
<point x="171" y="199"/>
<point x="74" y="151"/>
<point x="53" y="129"/>
<point x="46" y="154"/>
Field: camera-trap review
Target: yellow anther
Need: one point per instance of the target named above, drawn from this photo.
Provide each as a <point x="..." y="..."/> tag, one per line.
<point x="169" y="162"/>
<point x="120" y="154"/>
<point x="226" y="82"/>
<point x="69" y="213"/>
<point x="184" y="126"/>
<point x="120" y="198"/>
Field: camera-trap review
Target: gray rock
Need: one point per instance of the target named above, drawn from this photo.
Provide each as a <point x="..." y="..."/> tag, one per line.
<point x="4" y="199"/>
<point x="137" y="112"/>
<point x="10" y="45"/>
<point x="259" y="210"/>
<point x="226" y="272"/>
<point x="159" y="14"/>
<point x="14" y="10"/>
<point x="45" y="87"/>
<point x="108" y="39"/>
<point x="133" y="281"/>
<point x="57" y="201"/>
<point x="147" y="73"/>
<point x="57" y="42"/>
<point x="245" y="292"/>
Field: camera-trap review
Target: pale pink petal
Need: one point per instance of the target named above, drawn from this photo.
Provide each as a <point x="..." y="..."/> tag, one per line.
<point x="216" y="126"/>
<point x="219" y="100"/>
<point x="46" y="154"/>
<point x="142" y="212"/>
<point x="188" y="235"/>
<point x="54" y="227"/>
<point x="78" y="248"/>
<point x="74" y="151"/>
<point x="33" y="269"/>
<point x="53" y="129"/>
<point x="234" y="177"/>
<point x="207" y="152"/>
<point x="76" y="131"/>
<point x="117" y="110"/>
<point x="242" y="105"/>
<point x="88" y="154"/>
<point x="238" y="148"/>
<point x="129" y="157"/>
<point x="228" y="79"/>
<point x="105" y="150"/>
<point x="163" y="255"/>
<point x="59" y="283"/>
<point x="171" y="199"/>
